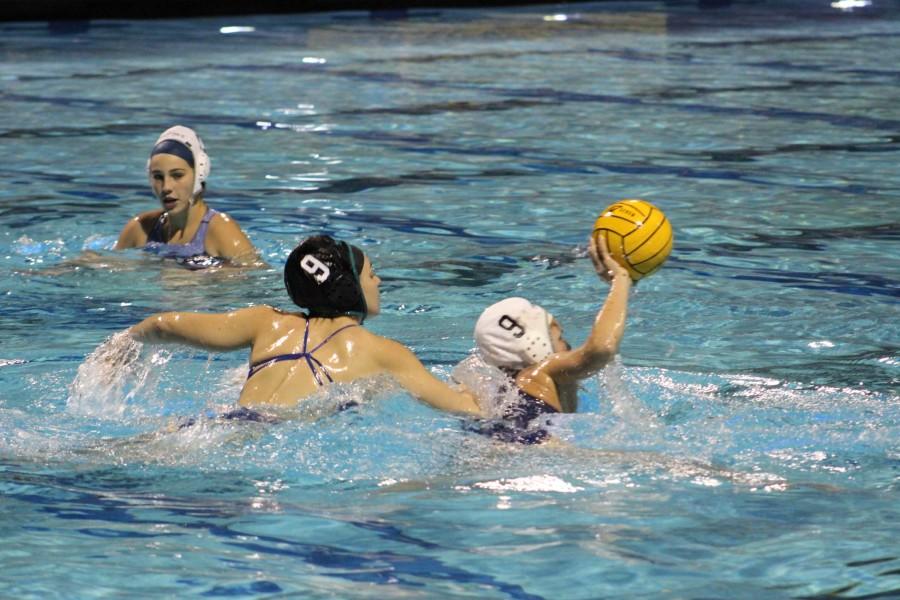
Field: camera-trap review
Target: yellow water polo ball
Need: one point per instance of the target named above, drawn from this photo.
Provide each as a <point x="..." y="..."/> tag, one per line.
<point x="638" y="235"/>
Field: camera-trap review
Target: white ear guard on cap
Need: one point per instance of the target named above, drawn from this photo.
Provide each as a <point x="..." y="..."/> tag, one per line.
<point x="188" y="137"/>
<point x="514" y="333"/>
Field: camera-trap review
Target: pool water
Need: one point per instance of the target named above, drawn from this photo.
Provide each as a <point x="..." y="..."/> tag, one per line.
<point x="744" y="444"/>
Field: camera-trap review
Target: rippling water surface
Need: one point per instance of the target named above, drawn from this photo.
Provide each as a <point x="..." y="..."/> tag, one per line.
<point x="744" y="445"/>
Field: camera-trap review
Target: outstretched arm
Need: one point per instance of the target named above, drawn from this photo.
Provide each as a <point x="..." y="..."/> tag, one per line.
<point x="609" y="324"/>
<point x="402" y="364"/>
<point x="218" y="331"/>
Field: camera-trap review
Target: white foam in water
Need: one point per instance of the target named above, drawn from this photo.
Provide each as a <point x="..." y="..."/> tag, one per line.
<point x="491" y="386"/>
<point x="495" y="391"/>
<point x="99" y="242"/>
<point x="634" y="417"/>
<point x="112" y="375"/>
<point x="533" y="483"/>
<point x="37" y="251"/>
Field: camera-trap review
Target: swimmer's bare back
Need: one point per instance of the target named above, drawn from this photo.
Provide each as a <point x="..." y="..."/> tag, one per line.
<point x="344" y="351"/>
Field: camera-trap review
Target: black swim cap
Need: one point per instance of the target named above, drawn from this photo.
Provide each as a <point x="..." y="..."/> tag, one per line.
<point x="176" y="148"/>
<point x="322" y="276"/>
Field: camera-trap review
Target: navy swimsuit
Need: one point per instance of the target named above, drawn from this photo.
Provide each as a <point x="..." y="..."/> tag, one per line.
<point x="517" y="424"/>
<point x="191" y="255"/>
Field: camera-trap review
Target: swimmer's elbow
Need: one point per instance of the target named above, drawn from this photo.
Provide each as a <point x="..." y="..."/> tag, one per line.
<point x="601" y="359"/>
<point x="154" y="329"/>
<point x="605" y="350"/>
<point x="248" y="259"/>
<point x="603" y="345"/>
<point x="585" y="362"/>
<point x="123" y="243"/>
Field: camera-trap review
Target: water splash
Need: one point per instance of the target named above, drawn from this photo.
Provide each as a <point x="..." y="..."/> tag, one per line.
<point x="634" y="419"/>
<point x="35" y="251"/>
<point x="112" y="375"/>
<point x="99" y="242"/>
<point x="494" y="389"/>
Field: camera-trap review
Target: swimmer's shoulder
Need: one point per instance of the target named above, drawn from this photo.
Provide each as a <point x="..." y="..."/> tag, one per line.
<point x="264" y="320"/>
<point x="389" y="352"/>
<point x="537" y="383"/>
<point x="268" y="311"/>
<point x="137" y="229"/>
<point x="221" y="223"/>
<point x="220" y="218"/>
<point x="226" y="238"/>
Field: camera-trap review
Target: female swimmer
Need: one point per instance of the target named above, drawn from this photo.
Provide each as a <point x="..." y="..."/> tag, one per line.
<point x="185" y="229"/>
<point x="525" y="342"/>
<point x="293" y="354"/>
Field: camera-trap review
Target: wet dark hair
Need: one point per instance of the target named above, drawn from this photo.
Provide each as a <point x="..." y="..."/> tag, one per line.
<point x="322" y="276"/>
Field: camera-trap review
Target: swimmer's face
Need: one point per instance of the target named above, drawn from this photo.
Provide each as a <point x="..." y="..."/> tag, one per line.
<point x="369" y="283"/>
<point x="172" y="179"/>
<point x="556" y="336"/>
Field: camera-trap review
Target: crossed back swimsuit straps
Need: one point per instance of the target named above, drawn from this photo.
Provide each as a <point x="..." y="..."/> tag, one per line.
<point x="315" y="366"/>
<point x="243" y="413"/>
<point x="193" y="254"/>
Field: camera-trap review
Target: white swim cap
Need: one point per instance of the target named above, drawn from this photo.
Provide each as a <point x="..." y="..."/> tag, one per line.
<point x="514" y="333"/>
<point x="188" y="138"/>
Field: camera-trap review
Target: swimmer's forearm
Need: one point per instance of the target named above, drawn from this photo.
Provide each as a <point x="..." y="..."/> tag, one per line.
<point x="155" y="329"/>
<point x="602" y="343"/>
<point x="175" y="327"/>
<point x="411" y="374"/>
<point x="463" y="402"/>
<point x="439" y="395"/>
<point x="249" y="260"/>
<point x="609" y="326"/>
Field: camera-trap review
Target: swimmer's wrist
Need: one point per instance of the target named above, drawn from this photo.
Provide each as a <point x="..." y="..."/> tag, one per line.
<point x="621" y="279"/>
<point x="142" y="332"/>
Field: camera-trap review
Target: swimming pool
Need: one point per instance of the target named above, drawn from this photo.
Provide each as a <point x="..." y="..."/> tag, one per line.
<point x="744" y="447"/>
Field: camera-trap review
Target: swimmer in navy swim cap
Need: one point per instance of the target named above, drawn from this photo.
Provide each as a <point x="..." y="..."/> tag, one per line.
<point x="185" y="228"/>
<point x="525" y="342"/>
<point x="294" y="354"/>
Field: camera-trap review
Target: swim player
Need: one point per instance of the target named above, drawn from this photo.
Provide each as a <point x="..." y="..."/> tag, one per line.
<point x="525" y="342"/>
<point x="294" y="354"/>
<point x="185" y="228"/>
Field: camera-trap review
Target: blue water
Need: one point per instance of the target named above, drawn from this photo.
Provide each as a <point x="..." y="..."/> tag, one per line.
<point x="743" y="446"/>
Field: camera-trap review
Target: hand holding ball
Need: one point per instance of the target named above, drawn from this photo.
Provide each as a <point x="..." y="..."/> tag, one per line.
<point x="637" y="234"/>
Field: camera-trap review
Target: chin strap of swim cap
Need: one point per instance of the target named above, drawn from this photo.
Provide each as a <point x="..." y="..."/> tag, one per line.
<point x="514" y="334"/>
<point x="188" y="138"/>
<point x="322" y="275"/>
<point x="352" y="251"/>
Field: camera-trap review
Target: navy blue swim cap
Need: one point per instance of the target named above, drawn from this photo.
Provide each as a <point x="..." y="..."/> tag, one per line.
<point x="322" y="276"/>
<point x="176" y="148"/>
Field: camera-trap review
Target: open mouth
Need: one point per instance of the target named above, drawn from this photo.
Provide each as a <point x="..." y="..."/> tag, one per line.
<point x="169" y="203"/>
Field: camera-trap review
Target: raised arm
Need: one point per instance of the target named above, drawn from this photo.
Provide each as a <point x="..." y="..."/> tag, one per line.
<point x="409" y="372"/>
<point x="609" y="324"/>
<point x="216" y="331"/>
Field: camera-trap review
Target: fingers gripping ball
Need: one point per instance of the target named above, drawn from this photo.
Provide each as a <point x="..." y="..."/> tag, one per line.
<point x="638" y="235"/>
